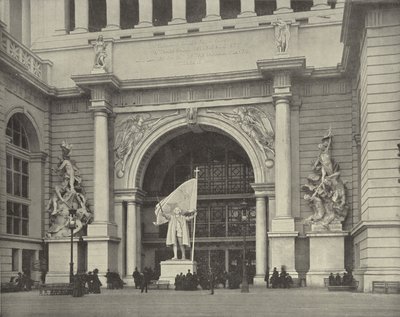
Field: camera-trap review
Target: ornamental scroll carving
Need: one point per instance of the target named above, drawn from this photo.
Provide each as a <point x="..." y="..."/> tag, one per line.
<point x="325" y="191"/>
<point x="129" y="134"/>
<point x="257" y="125"/>
<point x="69" y="194"/>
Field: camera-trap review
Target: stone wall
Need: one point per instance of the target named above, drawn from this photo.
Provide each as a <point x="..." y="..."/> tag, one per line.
<point x="72" y="121"/>
<point x="377" y="237"/>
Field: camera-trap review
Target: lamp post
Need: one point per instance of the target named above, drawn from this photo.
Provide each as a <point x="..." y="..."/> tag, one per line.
<point x="72" y="226"/>
<point x="245" y="219"/>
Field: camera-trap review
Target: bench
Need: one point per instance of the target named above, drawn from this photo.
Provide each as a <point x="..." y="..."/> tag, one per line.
<point x="56" y="289"/>
<point x="340" y="288"/>
<point x="385" y="287"/>
<point x="160" y="284"/>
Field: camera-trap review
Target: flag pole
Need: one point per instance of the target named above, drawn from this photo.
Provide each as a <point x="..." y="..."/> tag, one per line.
<point x="196" y="172"/>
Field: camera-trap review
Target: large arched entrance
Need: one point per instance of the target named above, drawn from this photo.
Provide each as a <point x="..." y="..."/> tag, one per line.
<point x="224" y="182"/>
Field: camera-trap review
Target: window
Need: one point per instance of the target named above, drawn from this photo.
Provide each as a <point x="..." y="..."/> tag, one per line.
<point x="15" y="260"/>
<point x="97" y="15"/>
<point x="17" y="177"/>
<point x="229" y="9"/>
<point x="301" y="5"/>
<point x="17" y="218"/>
<point x="195" y="10"/>
<point x="162" y="12"/>
<point x="265" y="7"/>
<point x="129" y="13"/>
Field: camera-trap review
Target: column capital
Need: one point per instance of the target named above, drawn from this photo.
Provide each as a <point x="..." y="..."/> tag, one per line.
<point x="262" y="190"/>
<point x="130" y="195"/>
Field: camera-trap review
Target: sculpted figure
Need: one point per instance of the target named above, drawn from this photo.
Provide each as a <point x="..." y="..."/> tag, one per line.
<point x="178" y="231"/>
<point x="100" y="53"/>
<point x="130" y="133"/>
<point x="256" y="124"/>
<point x="69" y="194"/>
<point x="325" y="191"/>
<point x="282" y="35"/>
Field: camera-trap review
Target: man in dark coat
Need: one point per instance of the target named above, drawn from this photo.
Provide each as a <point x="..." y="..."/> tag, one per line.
<point x="338" y="280"/>
<point x="331" y="279"/>
<point x="144" y="279"/>
<point x="78" y="285"/>
<point x="275" y="278"/>
<point x="96" y="282"/>
<point x="136" y="278"/>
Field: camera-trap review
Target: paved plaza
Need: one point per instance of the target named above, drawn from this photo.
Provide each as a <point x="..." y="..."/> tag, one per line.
<point x="259" y="302"/>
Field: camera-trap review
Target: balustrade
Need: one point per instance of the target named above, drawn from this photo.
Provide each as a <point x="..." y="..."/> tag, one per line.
<point x="21" y="54"/>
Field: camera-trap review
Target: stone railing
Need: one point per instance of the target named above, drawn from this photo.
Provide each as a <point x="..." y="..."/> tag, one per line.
<point x="23" y="55"/>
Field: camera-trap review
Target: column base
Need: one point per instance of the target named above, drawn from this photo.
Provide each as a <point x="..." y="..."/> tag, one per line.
<point x="259" y="280"/>
<point x="60" y="32"/>
<point x="320" y="7"/>
<point x="283" y="10"/>
<point x="102" y="229"/>
<point x="326" y="256"/>
<point x="282" y="248"/>
<point x="282" y="224"/>
<point x="211" y="18"/>
<point x="111" y="27"/>
<point x="246" y="14"/>
<point x="144" y="24"/>
<point x="79" y="31"/>
<point x="177" y="21"/>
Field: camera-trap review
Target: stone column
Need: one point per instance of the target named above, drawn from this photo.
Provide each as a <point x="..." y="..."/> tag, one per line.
<point x="26" y="23"/>
<point x="178" y="12"/>
<point x="101" y="175"/>
<point x="283" y="6"/>
<point x="61" y="15"/>
<point x="145" y="13"/>
<point x="119" y="211"/>
<point x="247" y="8"/>
<point x="113" y="15"/>
<point x="227" y="260"/>
<point x="261" y="238"/>
<point x="320" y="5"/>
<point x="282" y="235"/>
<point x="131" y="237"/>
<point x="81" y="16"/>
<point x="212" y="10"/>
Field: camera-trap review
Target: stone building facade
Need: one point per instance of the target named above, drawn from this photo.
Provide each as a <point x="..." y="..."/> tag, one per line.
<point x="242" y="89"/>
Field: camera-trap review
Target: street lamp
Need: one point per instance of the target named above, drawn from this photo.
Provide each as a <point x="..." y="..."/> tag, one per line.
<point x="244" y="220"/>
<point x="72" y="226"/>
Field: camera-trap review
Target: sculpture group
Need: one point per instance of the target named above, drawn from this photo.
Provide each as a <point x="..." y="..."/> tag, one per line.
<point x="325" y="191"/>
<point x="69" y="194"/>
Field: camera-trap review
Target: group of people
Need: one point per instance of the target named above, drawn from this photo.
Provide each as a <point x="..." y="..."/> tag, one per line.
<point x="279" y="280"/>
<point x="142" y="279"/>
<point x="346" y="280"/>
<point x="22" y="282"/>
<point x="188" y="282"/>
<point x="113" y="280"/>
<point x="86" y="283"/>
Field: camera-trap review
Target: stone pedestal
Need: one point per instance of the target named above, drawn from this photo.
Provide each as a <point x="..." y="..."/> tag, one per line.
<point x="326" y="256"/>
<point x="170" y="268"/>
<point x="59" y="259"/>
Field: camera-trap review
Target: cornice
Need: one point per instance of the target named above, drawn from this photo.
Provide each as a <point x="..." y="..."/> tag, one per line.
<point x="129" y="194"/>
<point x="89" y="81"/>
<point x="363" y="225"/>
<point x="294" y="65"/>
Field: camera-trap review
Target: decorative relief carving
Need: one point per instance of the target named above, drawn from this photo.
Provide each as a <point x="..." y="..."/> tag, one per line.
<point x="129" y="134"/>
<point x="257" y="125"/>
<point x="69" y="194"/>
<point x="325" y="191"/>
<point x="282" y="35"/>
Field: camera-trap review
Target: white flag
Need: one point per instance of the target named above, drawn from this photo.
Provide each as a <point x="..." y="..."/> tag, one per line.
<point x="184" y="197"/>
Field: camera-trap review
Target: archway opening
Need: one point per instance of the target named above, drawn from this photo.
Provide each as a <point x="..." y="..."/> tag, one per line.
<point x="223" y="183"/>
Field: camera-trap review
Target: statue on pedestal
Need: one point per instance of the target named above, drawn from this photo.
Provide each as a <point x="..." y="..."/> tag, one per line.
<point x="178" y="231"/>
<point x="282" y="35"/>
<point x="325" y="191"/>
<point x="69" y="194"/>
<point x="100" y="54"/>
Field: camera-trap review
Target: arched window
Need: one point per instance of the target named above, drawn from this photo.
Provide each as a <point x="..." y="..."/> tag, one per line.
<point x="17" y="166"/>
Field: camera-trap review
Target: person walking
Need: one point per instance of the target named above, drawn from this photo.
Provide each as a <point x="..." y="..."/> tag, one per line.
<point x="144" y="279"/>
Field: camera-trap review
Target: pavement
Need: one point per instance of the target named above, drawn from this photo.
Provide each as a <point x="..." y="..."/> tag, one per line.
<point x="307" y="302"/>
